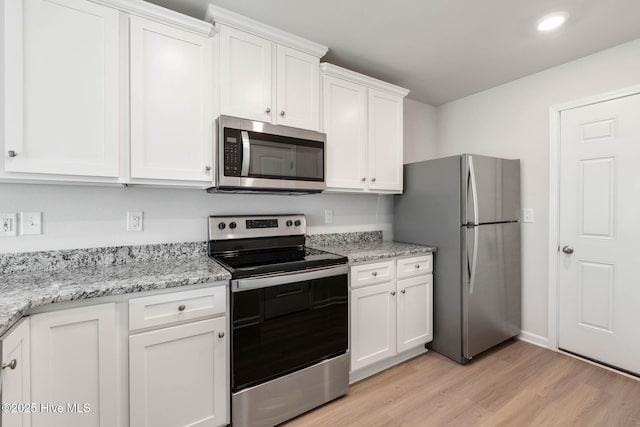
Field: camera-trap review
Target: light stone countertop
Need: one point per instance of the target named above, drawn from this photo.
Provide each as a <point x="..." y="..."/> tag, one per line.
<point x="22" y="291"/>
<point x="376" y="250"/>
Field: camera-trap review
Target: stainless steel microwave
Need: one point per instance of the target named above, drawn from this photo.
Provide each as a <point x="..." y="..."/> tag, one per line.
<point x="257" y="156"/>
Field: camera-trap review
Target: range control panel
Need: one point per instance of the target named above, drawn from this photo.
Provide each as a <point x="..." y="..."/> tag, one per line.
<point x="246" y="227"/>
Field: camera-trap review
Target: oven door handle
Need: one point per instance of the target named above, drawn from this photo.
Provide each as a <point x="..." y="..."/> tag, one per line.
<point x="284" y="278"/>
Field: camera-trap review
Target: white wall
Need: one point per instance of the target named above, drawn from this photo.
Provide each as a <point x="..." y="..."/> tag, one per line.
<point x="419" y="131"/>
<point x="512" y="121"/>
<point x="88" y="216"/>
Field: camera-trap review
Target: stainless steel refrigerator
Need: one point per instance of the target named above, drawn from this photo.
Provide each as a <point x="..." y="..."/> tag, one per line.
<point x="469" y="207"/>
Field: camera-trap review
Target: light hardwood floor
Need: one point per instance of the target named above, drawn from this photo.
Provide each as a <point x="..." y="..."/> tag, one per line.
<point x="518" y="384"/>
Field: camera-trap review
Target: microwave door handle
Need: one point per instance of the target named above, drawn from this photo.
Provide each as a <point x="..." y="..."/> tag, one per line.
<point x="246" y="153"/>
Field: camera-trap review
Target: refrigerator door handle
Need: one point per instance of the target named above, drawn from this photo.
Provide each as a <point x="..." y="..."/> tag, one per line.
<point x="474" y="260"/>
<point x="474" y="191"/>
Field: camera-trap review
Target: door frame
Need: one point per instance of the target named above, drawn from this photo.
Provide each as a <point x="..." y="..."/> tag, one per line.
<point x="554" y="201"/>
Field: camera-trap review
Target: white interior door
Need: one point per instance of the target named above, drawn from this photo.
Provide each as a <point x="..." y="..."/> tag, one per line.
<point x="599" y="210"/>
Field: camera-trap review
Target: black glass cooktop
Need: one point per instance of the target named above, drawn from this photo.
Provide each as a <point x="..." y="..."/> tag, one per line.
<point x="266" y="261"/>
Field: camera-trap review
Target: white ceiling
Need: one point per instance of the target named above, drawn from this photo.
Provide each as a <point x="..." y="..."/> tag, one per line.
<point x="442" y="49"/>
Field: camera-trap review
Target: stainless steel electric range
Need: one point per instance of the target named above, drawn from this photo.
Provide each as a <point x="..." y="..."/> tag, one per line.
<point x="289" y="317"/>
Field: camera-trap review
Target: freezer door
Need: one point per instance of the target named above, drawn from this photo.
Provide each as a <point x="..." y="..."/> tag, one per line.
<point x="491" y="286"/>
<point x="490" y="189"/>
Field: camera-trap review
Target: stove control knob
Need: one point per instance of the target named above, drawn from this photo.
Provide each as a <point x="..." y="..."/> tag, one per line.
<point x="232" y="225"/>
<point x="289" y="223"/>
<point x="222" y="225"/>
<point x="297" y="223"/>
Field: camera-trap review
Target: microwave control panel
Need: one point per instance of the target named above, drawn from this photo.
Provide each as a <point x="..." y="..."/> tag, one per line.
<point x="232" y="152"/>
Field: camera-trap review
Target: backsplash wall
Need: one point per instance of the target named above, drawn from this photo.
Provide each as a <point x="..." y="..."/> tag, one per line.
<point x="91" y="216"/>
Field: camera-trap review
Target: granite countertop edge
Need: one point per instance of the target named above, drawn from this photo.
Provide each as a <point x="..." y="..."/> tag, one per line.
<point x="373" y="251"/>
<point x="31" y="290"/>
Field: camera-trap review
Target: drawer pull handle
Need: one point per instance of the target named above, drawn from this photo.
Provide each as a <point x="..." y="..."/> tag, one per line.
<point x="374" y="274"/>
<point x="181" y="307"/>
<point x="393" y="294"/>
<point x="417" y="265"/>
<point x="11" y="365"/>
<point x="220" y="334"/>
<point x="404" y="291"/>
<point x="12" y="153"/>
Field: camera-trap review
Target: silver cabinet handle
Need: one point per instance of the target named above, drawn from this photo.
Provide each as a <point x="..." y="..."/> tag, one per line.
<point x="282" y="113"/>
<point x="373" y="180"/>
<point x="404" y="291"/>
<point x="393" y="294"/>
<point x="10" y="365"/>
<point x="220" y="334"/>
<point x="374" y="274"/>
<point x="207" y="168"/>
<point x="267" y="110"/>
<point x="363" y="179"/>
<point x="12" y="153"/>
<point x="417" y="265"/>
<point x="181" y="307"/>
<point x="567" y="250"/>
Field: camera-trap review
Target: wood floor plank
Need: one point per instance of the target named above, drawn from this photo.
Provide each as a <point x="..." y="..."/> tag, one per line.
<point x="517" y="384"/>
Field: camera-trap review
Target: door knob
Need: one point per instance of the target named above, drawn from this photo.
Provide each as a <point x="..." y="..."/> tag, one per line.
<point x="10" y="365"/>
<point x="567" y="250"/>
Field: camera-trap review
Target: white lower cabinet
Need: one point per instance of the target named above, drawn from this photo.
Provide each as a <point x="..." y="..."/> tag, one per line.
<point x="390" y="315"/>
<point x="15" y="385"/>
<point x="373" y="332"/>
<point x="73" y="362"/>
<point x="177" y="376"/>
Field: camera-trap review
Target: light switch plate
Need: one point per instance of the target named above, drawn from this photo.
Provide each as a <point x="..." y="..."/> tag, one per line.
<point x="30" y="223"/>
<point x="8" y="224"/>
<point x="527" y="215"/>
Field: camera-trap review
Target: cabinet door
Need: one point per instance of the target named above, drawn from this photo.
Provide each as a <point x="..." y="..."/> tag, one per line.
<point x="171" y="103"/>
<point x="61" y="87"/>
<point x="298" y="89"/>
<point x="415" y="312"/>
<point x="245" y="75"/>
<point x="385" y="141"/>
<point x="177" y="376"/>
<point x="373" y="324"/>
<point x="73" y="361"/>
<point x="345" y="123"/>
<point x="15" y="386"/>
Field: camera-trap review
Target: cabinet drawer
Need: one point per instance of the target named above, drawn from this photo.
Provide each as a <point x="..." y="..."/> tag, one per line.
<point x="368" y="274"/>
<point x="164" y="309"/>
<point x="408" y="267"/>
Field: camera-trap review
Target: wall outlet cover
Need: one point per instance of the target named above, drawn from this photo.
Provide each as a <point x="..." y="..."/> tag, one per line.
<point x="328" y="216"/>
<point x="134" y="220"/>
<point x="30" y="223"/>
<point x="8" y="224"/>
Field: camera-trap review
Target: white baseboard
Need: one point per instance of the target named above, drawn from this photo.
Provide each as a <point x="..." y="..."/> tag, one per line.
<point x="533" y="339"/>
<point x="380" y="366"/>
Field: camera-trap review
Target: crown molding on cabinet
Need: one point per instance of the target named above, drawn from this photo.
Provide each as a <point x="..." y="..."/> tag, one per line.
<point x="160" y="14"/>
<point x="218" y="15"/>
<point x="354" y="77"/>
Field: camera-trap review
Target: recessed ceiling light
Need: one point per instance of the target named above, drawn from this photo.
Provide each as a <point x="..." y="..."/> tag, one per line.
<point x="551" y="22"/>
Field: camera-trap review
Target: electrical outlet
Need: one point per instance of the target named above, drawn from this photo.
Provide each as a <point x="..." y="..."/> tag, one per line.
<point x="527" y="215"/>
<point x="328" y="216"/>
<point x="134" y="221"/>
<point x="8" y="224"/>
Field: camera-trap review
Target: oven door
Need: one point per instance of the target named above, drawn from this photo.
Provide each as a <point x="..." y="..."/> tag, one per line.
<point x="257" y="155"/>
<point x="284" y="323"/>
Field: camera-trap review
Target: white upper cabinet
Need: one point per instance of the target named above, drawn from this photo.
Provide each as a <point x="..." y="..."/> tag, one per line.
<point x="345" y="123"/>
<point x="363" y="120"/>
<point x="267" y="74"/>
<point x="385" y="141"/>
<point x="171" y="103"/>
<point x="62" y="65"/>
<point x="245" y="74"/>
<point x="298" y="89"/>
